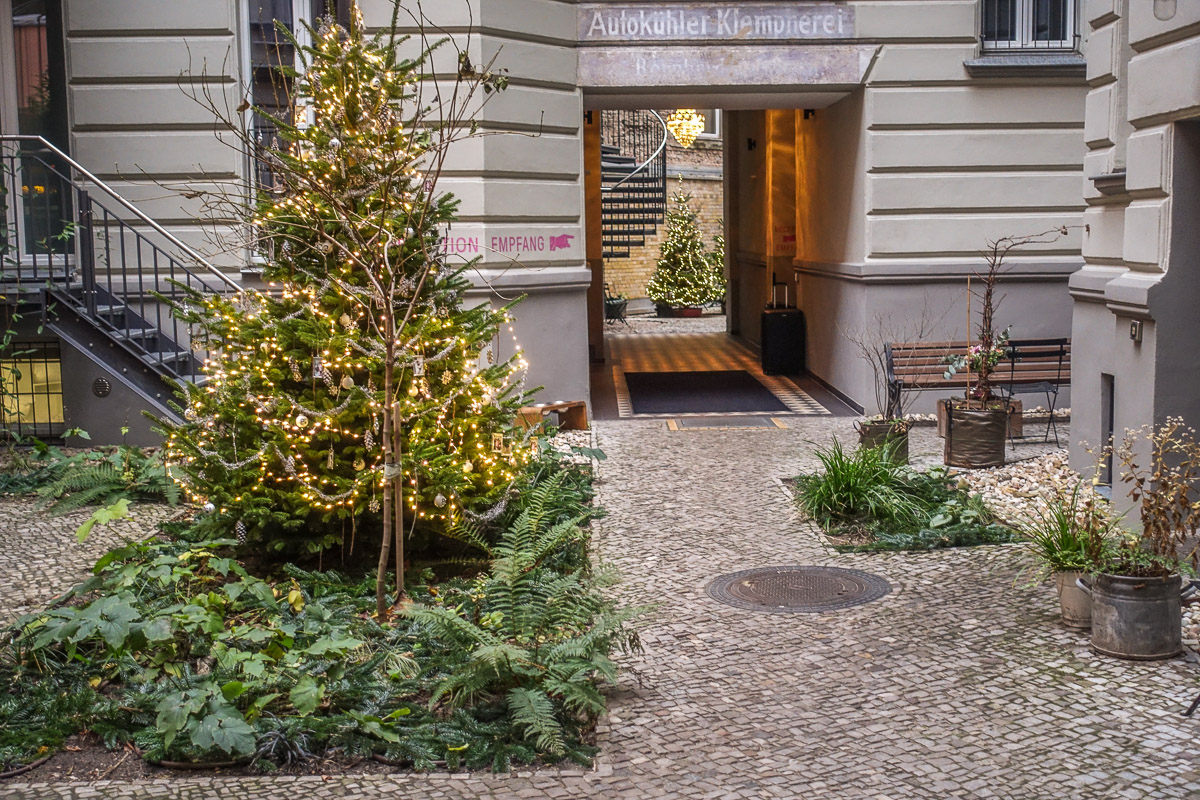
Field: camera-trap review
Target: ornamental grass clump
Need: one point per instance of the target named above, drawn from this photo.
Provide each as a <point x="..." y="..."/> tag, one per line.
<point x="858" y="487"/>
<point x="1073" y="533"/>
<point x="866" y="500"/>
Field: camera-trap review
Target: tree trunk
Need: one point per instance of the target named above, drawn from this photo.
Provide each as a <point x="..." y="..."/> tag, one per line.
<point x="381" y="570"/>
<point x="398" y="511"/>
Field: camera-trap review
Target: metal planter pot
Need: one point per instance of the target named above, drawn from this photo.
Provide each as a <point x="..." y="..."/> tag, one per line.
<point x="1074" y="603"/>
<point x="1136" y="618"/>
<point x="877" y="434"/>
<point x="975" y="437"/>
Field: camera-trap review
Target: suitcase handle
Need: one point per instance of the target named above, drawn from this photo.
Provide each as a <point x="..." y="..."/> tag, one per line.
<point x="775" y="284"/>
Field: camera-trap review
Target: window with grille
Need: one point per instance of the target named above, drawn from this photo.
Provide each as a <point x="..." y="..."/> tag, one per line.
<point x="272" y="26"/>
<point x="1029" y="24"/>
<point x="31" y="401"/>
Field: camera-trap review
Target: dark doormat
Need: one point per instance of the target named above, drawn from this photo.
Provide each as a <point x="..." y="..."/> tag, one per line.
<point x="699" y="393"/>
<point x="718" y="423"/>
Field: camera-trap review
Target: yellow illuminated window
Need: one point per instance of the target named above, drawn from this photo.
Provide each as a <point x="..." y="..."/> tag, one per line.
<point x="31" y="403"/>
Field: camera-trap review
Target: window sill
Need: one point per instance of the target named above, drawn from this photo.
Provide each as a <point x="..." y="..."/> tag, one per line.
<point x="1027" y="64"/>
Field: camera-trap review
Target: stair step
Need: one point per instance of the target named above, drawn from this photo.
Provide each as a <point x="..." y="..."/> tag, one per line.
<point x="609" y="149"/>
<point x="620" y="173"/>
<point x="135" y="333"/>
<point x="628" y="232"/>
<point x="166" y="357"/>
<point x="636" y="182"/>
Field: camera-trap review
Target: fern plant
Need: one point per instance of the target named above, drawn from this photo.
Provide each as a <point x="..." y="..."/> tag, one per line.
<point x="529" y="639"/>
<point x="98" y="478"/>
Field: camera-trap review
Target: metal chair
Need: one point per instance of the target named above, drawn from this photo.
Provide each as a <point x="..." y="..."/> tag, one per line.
<point x="1043" y="362"/>
<point x="614" y="308"/>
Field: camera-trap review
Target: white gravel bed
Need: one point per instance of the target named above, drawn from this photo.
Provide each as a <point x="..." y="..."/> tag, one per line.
<point x="1018" y="492"/>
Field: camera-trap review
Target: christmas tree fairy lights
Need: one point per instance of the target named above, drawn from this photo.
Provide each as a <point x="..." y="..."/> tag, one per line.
<point x="357" y="385"/>
<point x="687" y="274"/>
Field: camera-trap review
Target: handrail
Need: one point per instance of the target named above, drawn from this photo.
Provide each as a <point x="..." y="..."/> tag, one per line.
<point x="128" y="205"/>
<point x="646" y="163"/>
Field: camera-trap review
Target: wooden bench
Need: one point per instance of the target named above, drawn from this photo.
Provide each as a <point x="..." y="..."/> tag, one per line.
<point x="572" y="415"/>
<point x="1030" y="366"/>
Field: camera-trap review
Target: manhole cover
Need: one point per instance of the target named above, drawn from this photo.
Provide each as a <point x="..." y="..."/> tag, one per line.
<point x="798" y="589"/>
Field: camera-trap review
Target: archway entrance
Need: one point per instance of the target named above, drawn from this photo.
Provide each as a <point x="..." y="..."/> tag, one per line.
<point x="767" y="68"/>
<point x="713" y="361"/>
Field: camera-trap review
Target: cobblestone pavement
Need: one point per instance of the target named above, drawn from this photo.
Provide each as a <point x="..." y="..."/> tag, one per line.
<point x="711" y="322"/>
<point x="961" y="683"/>
<point x="40" y="557"/>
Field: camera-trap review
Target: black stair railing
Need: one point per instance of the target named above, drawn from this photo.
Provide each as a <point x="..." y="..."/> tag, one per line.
<point x="107" y="261"/>
<point x="633" y="176"/>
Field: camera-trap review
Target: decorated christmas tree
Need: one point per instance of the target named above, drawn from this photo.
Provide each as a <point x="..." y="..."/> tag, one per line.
<point x="357" y="392"/>
<point x="684" y="275"/>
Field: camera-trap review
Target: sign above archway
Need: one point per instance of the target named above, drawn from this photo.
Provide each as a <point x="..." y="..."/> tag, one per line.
<point x="617" y="22"/>
<point x="681" y="47"/>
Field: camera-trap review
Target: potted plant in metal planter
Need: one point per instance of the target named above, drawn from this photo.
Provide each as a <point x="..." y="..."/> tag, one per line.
<point x="1069" y="540"/>
<point x="1137" y="592"/>
<point x="976" y="425"/>
<point x="876" y="343"/>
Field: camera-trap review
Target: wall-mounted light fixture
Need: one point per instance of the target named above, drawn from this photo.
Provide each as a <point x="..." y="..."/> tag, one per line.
<point x="1165" y="9"/>
<point x="1135" y="331"/>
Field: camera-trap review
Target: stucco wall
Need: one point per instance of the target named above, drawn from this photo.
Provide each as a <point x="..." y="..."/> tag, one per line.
<point x="901" y="184"/>
<point x="1141" y="267"/>
<point x="131" y="66"/>
<point x="521" y="184"/>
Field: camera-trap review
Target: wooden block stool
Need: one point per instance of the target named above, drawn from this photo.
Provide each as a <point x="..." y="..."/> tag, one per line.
<point x="572" y="415"/>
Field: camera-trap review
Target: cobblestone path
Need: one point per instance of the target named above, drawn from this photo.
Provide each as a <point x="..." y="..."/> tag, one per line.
<point x="961" y="683"/>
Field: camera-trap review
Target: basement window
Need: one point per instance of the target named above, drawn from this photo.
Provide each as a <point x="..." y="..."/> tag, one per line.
<point x="31" y="399"/>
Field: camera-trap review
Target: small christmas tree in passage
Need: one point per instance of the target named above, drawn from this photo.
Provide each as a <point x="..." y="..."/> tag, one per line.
<point x="360" y="389"/>
<point x="684" y="275"/>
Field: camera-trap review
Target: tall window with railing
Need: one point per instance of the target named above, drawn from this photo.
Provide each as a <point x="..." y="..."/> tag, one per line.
<point x="1029" y="25"/>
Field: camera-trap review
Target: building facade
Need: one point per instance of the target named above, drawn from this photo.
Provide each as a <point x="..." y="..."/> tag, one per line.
<point x="1137" y="293"/>
<point x="870" y="148"/>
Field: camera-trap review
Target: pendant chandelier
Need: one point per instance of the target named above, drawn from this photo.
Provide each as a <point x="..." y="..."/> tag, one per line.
<point x="685" y="124"/>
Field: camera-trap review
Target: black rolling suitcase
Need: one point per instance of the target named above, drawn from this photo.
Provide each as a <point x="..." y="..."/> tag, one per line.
<point x="782" y="336"/>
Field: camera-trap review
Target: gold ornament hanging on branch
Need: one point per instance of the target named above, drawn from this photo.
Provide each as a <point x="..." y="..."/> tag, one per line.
<point x="685" y="124"/>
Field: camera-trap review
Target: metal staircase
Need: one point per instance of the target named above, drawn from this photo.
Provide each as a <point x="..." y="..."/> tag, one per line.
<point x="633" y="177"/>
<point x="104" y="273"/>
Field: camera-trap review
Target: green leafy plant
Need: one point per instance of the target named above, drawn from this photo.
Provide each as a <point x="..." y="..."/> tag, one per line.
<point x="868" y="502"/>
<point x="100" y="476"/>
<point x="1073" y="533"/>
<point x="175" y="646"/>
<point x="858" y="487"/>
<point x="532" y="639"/>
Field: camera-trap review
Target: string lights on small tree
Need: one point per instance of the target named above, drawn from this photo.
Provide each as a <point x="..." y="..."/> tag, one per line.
<point x="686" y="273"/>
<point x="359" y="387"/>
